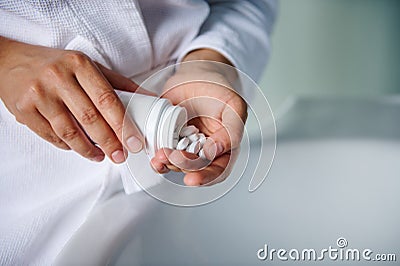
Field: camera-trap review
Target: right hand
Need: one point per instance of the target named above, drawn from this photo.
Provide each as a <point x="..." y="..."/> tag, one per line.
<point x="67" y="99"/>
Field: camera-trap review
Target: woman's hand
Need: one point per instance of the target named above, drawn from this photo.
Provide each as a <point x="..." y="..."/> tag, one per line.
<point x="218" y="111"/>
<point x="67" y="99"/>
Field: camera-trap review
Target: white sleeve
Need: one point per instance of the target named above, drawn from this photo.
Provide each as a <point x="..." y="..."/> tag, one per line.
<point x="239" y="30"/>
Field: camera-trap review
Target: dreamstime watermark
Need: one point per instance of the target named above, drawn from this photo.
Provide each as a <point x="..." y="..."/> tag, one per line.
<point x="339" y="253"/>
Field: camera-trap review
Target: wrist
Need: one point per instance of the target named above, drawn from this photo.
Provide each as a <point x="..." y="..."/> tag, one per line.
<point x="206" y="54"/>
<point x="207" y="65"/>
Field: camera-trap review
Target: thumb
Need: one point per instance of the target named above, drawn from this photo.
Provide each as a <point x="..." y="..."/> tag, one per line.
<point x="122" y="83"/>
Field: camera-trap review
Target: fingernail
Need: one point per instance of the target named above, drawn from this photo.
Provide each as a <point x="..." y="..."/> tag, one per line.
<point x="134" y="144"/>
<point x="118" y="156"/>
<point x="98" y="158"/>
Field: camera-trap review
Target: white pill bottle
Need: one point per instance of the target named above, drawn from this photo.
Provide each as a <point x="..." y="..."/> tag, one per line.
<point x="158" y="120"/>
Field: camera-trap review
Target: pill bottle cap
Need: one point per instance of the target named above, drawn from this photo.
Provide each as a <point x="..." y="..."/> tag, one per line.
<point x="163" y="125"/>
<point x="157" y="119"/>
<point x="172" y="121"/>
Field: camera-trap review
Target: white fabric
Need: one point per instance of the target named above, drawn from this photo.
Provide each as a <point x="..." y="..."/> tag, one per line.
<point x="46" y="193"/>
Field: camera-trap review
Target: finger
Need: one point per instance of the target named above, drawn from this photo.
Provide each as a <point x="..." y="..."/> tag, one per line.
<point x="228" y="136"/>
<point x="187" y="161"/>
<point x="182" y="160"/>
<point x="38" y="124"/>
<point x="214" y="173"/>
<point x="227" y="162"/>
<point x="158" y="167"/>
<point x="67" y="129"/>
<point x="162" y="158"/>
<point x="162" y="155"/>
<point x="110" y="107"/>
<point x="173" y="168"/>
<point x="122" y="83"/>
<point x="92" y="122"/>
<point x="217" y="143"/>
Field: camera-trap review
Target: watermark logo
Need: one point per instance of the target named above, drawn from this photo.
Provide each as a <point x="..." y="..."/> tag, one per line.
<point x="341" y="242"/>
<point x="339" y="253"/>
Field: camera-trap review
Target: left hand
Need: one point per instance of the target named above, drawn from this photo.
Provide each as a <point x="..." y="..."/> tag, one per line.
<point x="218" y="111"/>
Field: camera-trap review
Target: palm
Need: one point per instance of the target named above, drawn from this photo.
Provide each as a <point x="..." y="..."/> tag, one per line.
<point x="215" y="110"/>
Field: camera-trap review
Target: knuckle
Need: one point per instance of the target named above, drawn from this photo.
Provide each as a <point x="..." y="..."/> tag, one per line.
<point x="89" y="116"/>
<point x="109" y="143"/>
<point x="20" y="119"/>
<point x="54" y="139"/>
<point x="36" y="90"/>
<point x="22" y="107"/>
<point x="77" y="58"/>
<point x="118" y="128"/>
<point x="88" y="153"/>
<point x="107" y="99"/>
<point x="69" y="133"/>
<point x="53" y="71"/>
<point x="27" y="102"/>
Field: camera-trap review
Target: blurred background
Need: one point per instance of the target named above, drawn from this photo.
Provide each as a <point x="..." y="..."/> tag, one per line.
<point x="337" y="47"/>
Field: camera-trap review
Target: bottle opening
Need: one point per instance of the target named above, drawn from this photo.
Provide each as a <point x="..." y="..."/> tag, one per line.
<point x="171" y="122"/>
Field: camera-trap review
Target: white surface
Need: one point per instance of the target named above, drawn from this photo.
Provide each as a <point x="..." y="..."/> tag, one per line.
<point x="316" y="192"/>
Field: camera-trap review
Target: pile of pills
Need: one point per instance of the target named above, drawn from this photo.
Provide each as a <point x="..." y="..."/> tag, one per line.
<point x="191" y="141"/>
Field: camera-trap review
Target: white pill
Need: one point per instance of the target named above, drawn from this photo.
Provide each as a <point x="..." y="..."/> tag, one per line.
<point x="182" y="144"/>
<point x="193" y="147"/>
<point x="189" y="130"/>
<point x="202" y="138"/>
<point x="193" y="137"/>
<point x="201" y="154"/>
